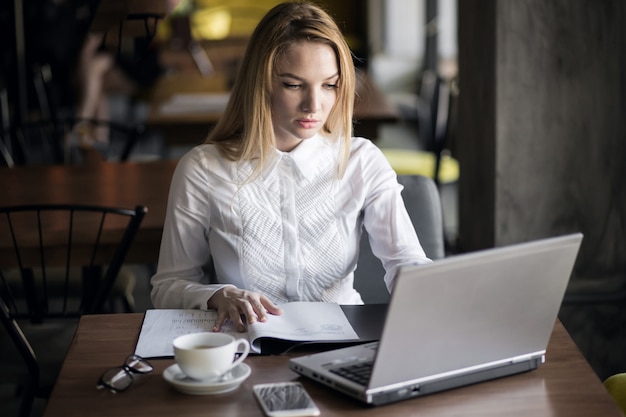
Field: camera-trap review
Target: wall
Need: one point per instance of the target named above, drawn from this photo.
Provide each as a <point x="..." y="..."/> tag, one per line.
<point x="542" y="142"/>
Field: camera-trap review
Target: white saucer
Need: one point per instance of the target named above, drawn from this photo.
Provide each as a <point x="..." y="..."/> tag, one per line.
<point x="184" y="384"/>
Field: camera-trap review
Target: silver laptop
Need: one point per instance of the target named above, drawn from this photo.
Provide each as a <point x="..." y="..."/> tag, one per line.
<point x="458" y="321"/>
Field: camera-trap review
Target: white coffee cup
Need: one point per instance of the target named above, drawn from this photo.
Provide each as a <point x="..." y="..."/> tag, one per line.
<point x="208" y="355"/>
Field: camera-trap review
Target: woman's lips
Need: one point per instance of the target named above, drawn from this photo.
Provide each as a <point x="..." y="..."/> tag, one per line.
<point x="307" y="123"/>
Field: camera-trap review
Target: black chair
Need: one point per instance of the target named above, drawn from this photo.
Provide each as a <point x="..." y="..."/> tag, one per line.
<point x="130" y="133"/>
<point x="61" y="267"/>
<point x="50" y="141"/>
<point x="421" y="198"/>
<point x="435" y="113"/>
<point x="51" y="137"/>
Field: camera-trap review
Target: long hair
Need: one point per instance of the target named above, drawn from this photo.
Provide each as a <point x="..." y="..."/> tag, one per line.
<point x="245" y="131"/>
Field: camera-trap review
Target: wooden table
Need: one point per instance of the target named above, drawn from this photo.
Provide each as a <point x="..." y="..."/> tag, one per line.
<point x="564" y="386"/>
<point x="123" y="185"/>
<point x="372" y="108"/>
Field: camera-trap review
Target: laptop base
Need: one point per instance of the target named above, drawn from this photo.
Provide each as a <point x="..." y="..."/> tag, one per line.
<point x="417" y="389"/>
<point x="438" y="386"/>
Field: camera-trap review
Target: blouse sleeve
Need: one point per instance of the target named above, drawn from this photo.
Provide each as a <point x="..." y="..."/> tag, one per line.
<point x="180" y="280"/>
<point x="391" y="233"/>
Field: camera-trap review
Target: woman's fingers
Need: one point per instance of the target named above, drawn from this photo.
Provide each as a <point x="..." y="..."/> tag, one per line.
<point x="221" y="319"/>
<point x="269" y="307"/>
<point x="232" y="303"/>
<point x="228" y="312"/>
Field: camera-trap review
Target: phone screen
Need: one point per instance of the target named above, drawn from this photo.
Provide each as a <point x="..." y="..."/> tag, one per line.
<point x="285" y="399"/>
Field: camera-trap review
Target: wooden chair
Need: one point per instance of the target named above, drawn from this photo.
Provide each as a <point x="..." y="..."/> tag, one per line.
<point x="60" y="267"/>
<point x="421" y="198"/>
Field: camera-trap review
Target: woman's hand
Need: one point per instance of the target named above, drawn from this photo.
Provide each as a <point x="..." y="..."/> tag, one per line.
<point x="232" y="302"/>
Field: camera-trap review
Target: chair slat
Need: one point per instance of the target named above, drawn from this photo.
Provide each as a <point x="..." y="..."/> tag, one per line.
<point x="60" y="269"/>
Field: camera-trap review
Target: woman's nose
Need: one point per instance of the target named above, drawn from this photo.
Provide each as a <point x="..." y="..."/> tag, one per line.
<point x="310" y="101"/>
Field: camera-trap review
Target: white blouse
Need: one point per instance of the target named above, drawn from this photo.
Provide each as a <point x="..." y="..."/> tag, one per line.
<point x="292" y="234"/>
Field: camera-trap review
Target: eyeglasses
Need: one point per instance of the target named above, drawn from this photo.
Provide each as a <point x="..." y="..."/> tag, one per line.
<point x="118" y="379"/>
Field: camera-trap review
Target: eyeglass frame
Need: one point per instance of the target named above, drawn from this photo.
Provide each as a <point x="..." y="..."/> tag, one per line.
<point x="126" y="370"/>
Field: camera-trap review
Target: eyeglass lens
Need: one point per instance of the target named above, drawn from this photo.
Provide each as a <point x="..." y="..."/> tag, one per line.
<point x="137" y="364"/>
<point x="120" y="378"/>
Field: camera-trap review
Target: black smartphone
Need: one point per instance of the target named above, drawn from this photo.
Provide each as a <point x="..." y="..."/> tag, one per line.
<point x="285" y="399"/>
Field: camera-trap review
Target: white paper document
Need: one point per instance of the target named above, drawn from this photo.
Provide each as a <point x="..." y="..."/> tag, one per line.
<point x="300" y="322"/>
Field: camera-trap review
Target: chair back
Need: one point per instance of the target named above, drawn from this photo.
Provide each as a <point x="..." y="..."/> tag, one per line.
<point x="58" y="262"/>
<point x="423" y="203"/>
<point x="435" y="115"/>
<point x="53" y="138"/>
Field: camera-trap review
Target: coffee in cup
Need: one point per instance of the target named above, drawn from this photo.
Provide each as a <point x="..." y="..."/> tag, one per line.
<point x="208" y="355"/>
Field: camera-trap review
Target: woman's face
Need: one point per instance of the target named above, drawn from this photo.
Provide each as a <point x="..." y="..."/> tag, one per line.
<point x="304" y="92"/>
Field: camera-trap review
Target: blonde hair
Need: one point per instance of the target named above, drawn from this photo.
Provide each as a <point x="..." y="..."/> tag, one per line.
<point x="245" y="131"/>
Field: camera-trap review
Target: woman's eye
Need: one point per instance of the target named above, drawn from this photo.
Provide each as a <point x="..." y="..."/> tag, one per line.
<point x="291" y="86"/>
<point x="330" y="86"/>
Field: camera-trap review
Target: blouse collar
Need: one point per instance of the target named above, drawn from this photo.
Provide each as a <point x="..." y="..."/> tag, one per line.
<point x="305" y="156"/>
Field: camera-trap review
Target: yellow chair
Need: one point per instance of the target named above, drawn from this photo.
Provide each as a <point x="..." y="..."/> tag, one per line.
<point x="616" y="385"/>
<point x="409" y="162"/>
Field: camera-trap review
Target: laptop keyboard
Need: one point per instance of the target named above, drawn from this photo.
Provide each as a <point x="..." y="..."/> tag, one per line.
<point x="358" y="372"/>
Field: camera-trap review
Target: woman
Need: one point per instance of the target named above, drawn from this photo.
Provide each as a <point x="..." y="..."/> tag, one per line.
<point x="279" y="193"/>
